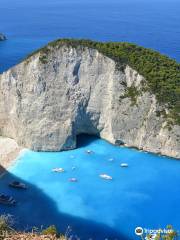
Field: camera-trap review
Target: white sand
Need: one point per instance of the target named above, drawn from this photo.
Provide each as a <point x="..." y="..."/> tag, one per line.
<point x="9" y="150"/>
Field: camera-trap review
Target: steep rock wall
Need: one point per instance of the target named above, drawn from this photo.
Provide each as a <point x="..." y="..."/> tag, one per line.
<point x="46" y="101"/>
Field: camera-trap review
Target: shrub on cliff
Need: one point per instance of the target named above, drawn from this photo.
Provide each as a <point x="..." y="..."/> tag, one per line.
<point x="51" y="230"/>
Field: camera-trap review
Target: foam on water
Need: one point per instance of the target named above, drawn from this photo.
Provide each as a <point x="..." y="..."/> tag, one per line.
<point x="146" y="193"/>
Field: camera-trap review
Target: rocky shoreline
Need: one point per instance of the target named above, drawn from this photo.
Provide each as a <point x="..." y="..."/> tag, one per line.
<point x="9" y="150"/>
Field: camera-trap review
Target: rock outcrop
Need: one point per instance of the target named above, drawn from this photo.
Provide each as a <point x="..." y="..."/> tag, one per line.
<point x="2" y="37"/>
<point x="47" y="100"/>
<point x="9" y="150"/>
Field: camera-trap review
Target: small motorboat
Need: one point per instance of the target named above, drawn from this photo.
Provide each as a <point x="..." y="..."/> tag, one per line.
<point x="111" y="159"/>
<point x="73" y="180"/>
<point x="7" y="200"/>
<point x="17" y="184"/>
<point x="105" y="176"/>
<point x="89" y="151"/>
<point x="58" y="170"/>
<point x="124" y="165"/>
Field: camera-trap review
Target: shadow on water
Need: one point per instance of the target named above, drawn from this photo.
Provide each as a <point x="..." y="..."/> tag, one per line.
<point x="35" y="208"/>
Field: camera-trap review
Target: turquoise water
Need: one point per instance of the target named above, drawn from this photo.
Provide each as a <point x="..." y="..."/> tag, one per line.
<point x="146" y="194"/>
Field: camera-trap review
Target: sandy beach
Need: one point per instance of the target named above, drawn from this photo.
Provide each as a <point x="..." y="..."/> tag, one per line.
<point x="9" y="150"/>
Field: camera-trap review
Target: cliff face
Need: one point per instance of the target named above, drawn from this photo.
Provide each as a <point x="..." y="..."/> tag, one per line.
<point x="46" y="101"/>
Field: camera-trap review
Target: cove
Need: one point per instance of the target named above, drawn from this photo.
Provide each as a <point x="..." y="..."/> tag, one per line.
<point x="146" y="193"/>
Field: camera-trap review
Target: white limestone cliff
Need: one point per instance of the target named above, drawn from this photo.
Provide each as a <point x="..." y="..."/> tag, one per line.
<point x="46" y="103"/>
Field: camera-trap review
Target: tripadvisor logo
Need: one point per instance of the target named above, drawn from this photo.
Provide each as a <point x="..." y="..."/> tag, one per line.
<point x="139" y="231"/>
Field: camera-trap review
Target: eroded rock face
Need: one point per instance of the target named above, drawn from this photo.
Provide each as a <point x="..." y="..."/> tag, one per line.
<point x="9" y="150"/>
<point x="45" y="102"/>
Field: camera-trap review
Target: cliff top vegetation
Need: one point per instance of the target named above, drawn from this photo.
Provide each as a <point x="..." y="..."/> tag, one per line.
<point x="162" y="74"/>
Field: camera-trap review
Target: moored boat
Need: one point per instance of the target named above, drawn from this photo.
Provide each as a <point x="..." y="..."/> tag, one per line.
<point x="89" y="151"/>
<point x="73" y="180"/>
<point x="111" y="159"/>
<point x="105" y="176"/>
<point x="58" y="170"/>
<point x="7" y="200"/>
<point x="17" y="184"/>
<point x="124" y="165"/>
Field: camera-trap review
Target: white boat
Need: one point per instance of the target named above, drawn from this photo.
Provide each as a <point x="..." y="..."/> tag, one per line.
<point x="17" y="184"/>
<point x="124" y="165"/>
<point x="105" y="176"/>
<point x="111" y="159"/>
<point x="89" y="151"/>
<point x="58" y="170"/>
<point x="73" y="180"/>
<point x="6" y="200"/>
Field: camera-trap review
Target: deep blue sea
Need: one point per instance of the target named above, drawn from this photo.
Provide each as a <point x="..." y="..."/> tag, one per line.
<point x="147" y="193"/>
<point x="29" y="24"/>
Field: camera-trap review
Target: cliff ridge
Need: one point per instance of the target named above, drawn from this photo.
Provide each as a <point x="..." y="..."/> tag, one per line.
<point x="63" y="91"/>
